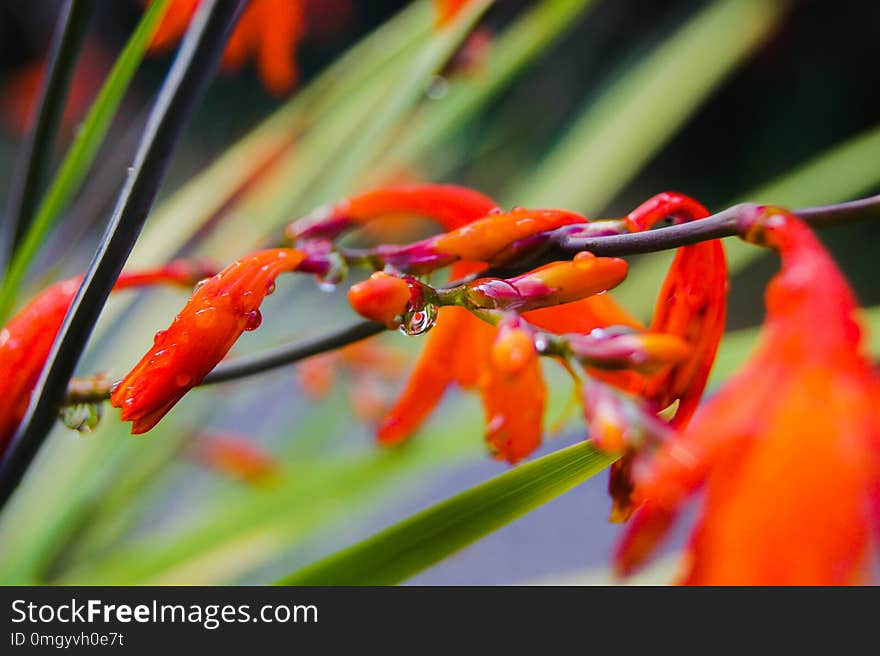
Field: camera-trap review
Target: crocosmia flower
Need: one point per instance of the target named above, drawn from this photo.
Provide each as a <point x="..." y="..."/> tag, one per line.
<point x="269" y="31"/>
<point x="26" y="340"/>
<point x="788" y="450"/>
<point x="220" y="310"/>
<point x="514" y="394"/>
<point x="692" y="304"/>
<point x="450" y="206"/>
<point x="485" y="239"/>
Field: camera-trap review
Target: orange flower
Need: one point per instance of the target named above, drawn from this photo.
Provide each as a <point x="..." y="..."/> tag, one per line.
<point x="485" y="239"/>
<point x="369" y="366"/>
<point x="789" y="449"/>
<point x="220" y="310"/>
<point x="235" y="456"/>
<point x="456" y="351"/>
<point x="449" y="205"/>
<point x="23" y="88"/>
<point x="553" y="284"/>
<point x="514" y="394"/>
<point x="447" y="10"/>
<point x="268" y="30"/>
<point x="26" y="340"/>
<point x="692" y="304"/>
<point x="382" y="298"/>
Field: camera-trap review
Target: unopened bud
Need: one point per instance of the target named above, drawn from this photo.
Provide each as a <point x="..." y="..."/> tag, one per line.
<point x="382" y="298"/>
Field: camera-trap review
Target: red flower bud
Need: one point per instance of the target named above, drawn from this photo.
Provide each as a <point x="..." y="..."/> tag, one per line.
<point x="514" y="394"/>
<point x="382" y="298"/>
<point x="486" y="238"/>
<point x="220" y="310"/>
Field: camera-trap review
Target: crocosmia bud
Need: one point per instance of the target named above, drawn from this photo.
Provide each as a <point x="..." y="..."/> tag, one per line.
<point x="220" y="310"/>
<point x="382" y="298"/>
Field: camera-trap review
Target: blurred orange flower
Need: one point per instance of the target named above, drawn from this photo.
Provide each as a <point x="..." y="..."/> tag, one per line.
<point x="269" y="31"/>
<point x="234" y="456"/>
<point x="789" y="449"/>
<point x="220" y="310"/>
<point x="23" y="88"/>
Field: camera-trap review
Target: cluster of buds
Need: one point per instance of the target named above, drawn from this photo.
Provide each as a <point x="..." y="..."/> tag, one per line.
<point x="639" y="385"/>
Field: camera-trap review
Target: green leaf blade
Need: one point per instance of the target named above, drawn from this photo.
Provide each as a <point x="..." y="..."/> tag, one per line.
<point x="399" y="552"/>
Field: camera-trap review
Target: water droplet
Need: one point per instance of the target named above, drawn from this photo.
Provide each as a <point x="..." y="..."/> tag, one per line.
<point x="83" y="417"/>
<point x="182" y="380"/>
<point x="159" y="335"/>
<point x="583" y="259"/>
<point x="495" y="211"/>
<point x="437" y="87"/>
<point x="336" y="272"/>
<point x="254" y="319"/>
<point x="541" y="343"/>
<point x="114" y="387"/>
<point x="518" y="208"/>
<point x="418" y="321"/>
<point x="4" y="337"/>
<point x="201" y="283"/>
<point x="270" y="288"/>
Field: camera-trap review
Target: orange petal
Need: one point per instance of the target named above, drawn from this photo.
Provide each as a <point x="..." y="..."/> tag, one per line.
<point x="485" y="238"/>
<point x="514" y="394"/>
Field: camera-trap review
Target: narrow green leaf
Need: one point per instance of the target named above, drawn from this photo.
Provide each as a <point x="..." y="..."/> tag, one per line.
<point x="360" y="154"/>
<point x="407" y="548"/>
<point x="81" y="154"/>
<point x="617" y="134"/>
<point x="511" y="52"/>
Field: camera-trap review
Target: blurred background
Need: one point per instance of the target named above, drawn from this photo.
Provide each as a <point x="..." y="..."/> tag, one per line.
<point x="590" y="106"/>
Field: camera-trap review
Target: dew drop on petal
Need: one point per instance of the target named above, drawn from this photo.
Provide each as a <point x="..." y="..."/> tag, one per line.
<point x="496" y="211"/>
<point x="159" y="336"/>
<point x="270" y="288"/>
<point x="82" y="417"/>
<point x="254" y="319"/>
<point x="583" y="259"/>
<point x="201" y="283"/>
<point x="337" y="271"/>
<point x="182" y="380"/>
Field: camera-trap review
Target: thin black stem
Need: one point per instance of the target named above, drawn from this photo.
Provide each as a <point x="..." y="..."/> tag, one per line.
<point x="196" y="61"/>
<point x="36" y="151"/>
<point x="290" y="353"/>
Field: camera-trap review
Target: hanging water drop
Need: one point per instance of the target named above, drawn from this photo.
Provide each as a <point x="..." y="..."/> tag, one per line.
<point x="159" y="335"/>
<point x="201" y="283"/>
<point x="337" y="271"/>
<point x="418" y="321"/>
<point x="270" y="288"/>
<point x="82" y="417"/>
<point x="254" y="319"/>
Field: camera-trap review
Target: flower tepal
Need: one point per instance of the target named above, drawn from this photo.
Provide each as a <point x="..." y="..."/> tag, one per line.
<point x="220" y="310"/>
<point x="789" y="449"/>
